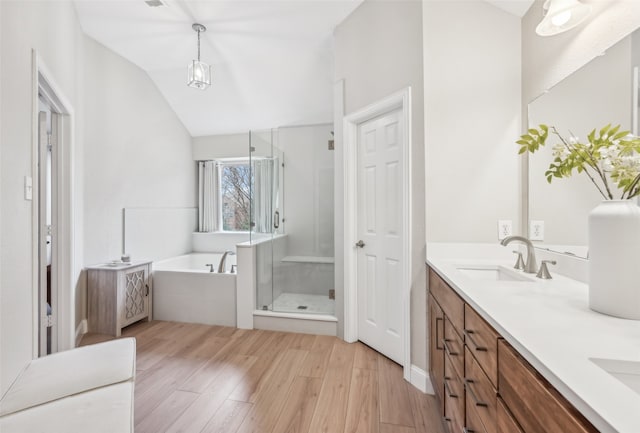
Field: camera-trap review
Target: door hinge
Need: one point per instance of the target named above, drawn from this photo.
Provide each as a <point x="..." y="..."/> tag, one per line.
<point x="48" y="321"/>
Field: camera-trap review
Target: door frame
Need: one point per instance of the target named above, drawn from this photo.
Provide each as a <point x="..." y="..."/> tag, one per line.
<point x="64" y="245"/>
<point x="400" y="100"/>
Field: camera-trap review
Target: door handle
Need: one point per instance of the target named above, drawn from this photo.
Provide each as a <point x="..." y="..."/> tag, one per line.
<point x="360" y="244"/>
<point x="276" y="222"/>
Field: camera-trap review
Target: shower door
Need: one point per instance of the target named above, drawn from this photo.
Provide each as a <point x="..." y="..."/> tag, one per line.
<point x="267" y="220"/>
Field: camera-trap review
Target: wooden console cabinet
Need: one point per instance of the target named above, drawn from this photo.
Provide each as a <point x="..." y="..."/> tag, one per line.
<point x="482" y="384"/>
<point x="118" y="296"/>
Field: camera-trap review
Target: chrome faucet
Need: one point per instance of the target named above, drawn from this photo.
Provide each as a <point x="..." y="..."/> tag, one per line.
<point x="223" y="261"/>
<point x="530" y="265"/>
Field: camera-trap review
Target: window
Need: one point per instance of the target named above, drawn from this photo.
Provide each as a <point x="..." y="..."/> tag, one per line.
<point x="235" y="196"/>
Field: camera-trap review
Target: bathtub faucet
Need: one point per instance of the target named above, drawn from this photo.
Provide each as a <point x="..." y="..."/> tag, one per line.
<point x="210" y="266"/>
<point x="223" y="261"/>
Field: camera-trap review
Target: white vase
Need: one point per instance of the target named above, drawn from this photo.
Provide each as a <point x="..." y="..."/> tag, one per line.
<point x="614" y="259"/>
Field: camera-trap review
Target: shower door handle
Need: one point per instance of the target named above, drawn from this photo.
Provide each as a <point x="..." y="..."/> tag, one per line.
<point x="276" y="220"/>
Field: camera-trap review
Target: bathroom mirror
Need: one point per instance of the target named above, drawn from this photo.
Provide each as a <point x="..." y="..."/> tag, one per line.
<point x="601" y="92"/>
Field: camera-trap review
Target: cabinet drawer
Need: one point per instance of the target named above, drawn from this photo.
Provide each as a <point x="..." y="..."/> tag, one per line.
<point x="482" y="340"/>
<point x="480" y="393"/>
<point x="528" y="395"/>
<point x="453" y="398"/>
<point x="436" y="350"/>
<point x="506" y="423"/>
<point x="451" y="303"/>
<point x="473" y="424"/>
<point x="453" y="347"/>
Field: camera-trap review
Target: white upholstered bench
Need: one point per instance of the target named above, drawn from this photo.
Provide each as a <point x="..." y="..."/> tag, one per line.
<point x="88" y="389"/>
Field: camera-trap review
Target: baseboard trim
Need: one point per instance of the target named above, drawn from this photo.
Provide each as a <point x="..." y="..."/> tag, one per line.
<point x="81" y="329"/>
<point x="420" y="380"/>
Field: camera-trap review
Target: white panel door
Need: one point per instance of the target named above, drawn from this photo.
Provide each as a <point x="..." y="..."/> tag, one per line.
<point x="380" y="169"/>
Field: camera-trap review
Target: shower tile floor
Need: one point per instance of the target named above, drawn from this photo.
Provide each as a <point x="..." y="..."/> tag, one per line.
<point x="316" y="304"/>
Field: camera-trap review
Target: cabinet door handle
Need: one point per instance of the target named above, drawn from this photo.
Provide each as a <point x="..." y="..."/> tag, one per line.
<point x="438" y="320"/>
<point x="468" y="430"/>
<point x="147" y="291"/>
<point x="447" y="389"/>
<point x="467" y="385"/>
<point x="467" y="334"/>
<point x="446" y="348"/>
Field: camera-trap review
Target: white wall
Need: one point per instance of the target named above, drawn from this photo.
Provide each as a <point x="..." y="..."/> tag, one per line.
<point x="24" y="26"/>
<point x="2" y="379"/>
<point x="221" y="146"/>
<point x="234" y="145"/>
<point x="472" y="119"/>
<point x="378" y="51"/>
<point x="137" y="154"/>
<point x="308" y="190"/>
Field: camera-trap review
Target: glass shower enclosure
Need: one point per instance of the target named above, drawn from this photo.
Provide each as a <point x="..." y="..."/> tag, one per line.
<point x="292" y="219"/>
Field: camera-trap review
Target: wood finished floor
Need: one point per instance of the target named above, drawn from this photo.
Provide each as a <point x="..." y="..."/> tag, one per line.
<point x="211" y="379"/>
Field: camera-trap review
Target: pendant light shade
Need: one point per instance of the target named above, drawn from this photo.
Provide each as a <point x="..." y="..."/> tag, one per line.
<point x="198" y="73"/>
<point x="562" y="15"/>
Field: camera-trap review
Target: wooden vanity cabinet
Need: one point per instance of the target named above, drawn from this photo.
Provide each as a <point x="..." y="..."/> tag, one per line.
<point x="436" y="350"/>
<point x="482" y="383"/>
<point x="535" y="404"/>
<point x="505" y="421"/>
<point x="454" y="395"/>
<point x="447" y="351"/>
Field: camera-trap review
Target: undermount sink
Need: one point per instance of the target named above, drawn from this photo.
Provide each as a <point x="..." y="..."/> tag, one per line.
<point x="627" y="372"/>
<point x="493" y="273"/>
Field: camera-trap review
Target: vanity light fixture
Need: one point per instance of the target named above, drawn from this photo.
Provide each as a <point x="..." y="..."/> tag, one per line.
<point x="199" y="73"/>
<point x="562" y="15"/>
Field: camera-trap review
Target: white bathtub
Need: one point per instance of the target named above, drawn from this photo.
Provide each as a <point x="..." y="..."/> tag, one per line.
<point x="184" y="290"/>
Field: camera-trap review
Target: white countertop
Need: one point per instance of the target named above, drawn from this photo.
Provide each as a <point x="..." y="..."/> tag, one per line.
<point x="117" y="265"/>
<point x="551" y="325"/>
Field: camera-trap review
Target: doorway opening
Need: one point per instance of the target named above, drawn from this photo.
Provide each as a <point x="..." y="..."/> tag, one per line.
<point x="52" y="215"/>
<point x="47" y="194"/>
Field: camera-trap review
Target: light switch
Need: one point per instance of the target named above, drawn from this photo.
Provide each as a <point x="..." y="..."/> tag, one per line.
<point x="28" y="188"/>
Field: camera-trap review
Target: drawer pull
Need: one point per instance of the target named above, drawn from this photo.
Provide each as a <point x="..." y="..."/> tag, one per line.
<point x="447" y="389"/>
<point x="446" y="348"/>
<point x="468" y="430"/>
<point x="467" y="334"/>
<point x="438" y="320"/>
<point x="467" y="385"/>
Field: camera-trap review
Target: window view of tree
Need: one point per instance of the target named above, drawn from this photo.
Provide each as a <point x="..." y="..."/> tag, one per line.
<point x="235" y="187"/>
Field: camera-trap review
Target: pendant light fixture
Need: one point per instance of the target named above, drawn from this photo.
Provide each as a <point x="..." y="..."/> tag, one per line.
<point x="562" y="15"/>
<point x="199" y="73"/>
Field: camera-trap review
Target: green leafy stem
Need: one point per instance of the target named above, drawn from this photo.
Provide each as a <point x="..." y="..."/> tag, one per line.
<point x="609" y="156"/>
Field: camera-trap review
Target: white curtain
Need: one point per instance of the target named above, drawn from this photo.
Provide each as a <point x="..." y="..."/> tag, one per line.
<point x="265" y="175"/>
<point x="208" y="190"/>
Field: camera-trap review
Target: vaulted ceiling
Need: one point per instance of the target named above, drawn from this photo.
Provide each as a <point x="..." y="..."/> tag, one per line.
<point x="272" y="60"/>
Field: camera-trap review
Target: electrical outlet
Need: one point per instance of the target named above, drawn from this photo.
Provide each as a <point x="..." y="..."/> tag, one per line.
<point x="504" y="229"/>
<point x="536" y="230"/>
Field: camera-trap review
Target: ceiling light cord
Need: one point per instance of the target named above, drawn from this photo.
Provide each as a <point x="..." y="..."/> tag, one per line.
<point x="198" y="44"/>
